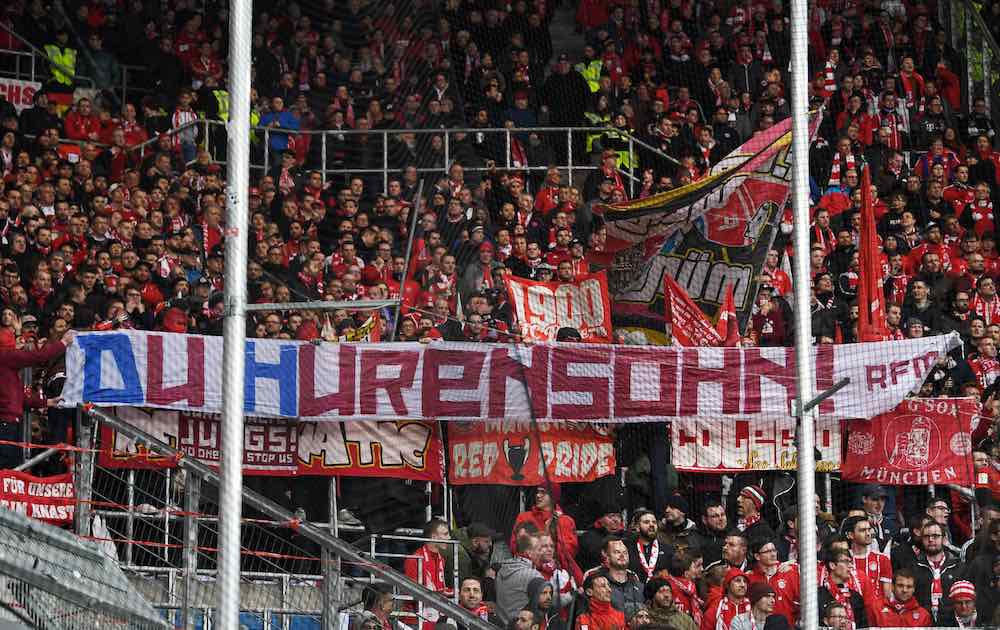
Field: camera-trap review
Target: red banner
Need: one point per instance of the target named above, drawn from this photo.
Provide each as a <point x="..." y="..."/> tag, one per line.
<point x="510" y="452"/>
<point x="542" y="308"/>
<point x="688" y="324"/>
<point x="922" y="441"/>
<point x="404" y="449"/>
<point x="50" y="499"/>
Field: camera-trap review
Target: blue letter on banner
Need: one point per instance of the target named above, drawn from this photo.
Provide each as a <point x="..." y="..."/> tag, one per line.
<point x="285" y="372"/>
<point x="94" y="347"/>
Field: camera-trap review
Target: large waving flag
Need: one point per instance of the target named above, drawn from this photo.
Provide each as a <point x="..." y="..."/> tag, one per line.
<point x="709" y="235"/>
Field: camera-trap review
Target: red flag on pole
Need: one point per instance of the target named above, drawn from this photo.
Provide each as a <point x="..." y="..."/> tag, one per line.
<point x="688" y="324"/>
<point x="871" y="297"/>
<point x="728" y="326"/>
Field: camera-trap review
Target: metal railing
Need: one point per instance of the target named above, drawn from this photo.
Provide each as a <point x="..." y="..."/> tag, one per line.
<point x="324" y="160"/>
<point x="21" y="60"/>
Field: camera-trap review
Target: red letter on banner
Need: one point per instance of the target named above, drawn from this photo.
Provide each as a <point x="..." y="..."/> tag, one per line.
<point x="598" y="407"/>
<point x="665" y="361"/>
<point x="756" y="368"/>
<point x="824" y="375"/>
<point x="342" y="400"/>
<point x="371" y="360"/>
<point x="693" y="374"/>
<point x="471" y="364"/>
<point x="502" y="367"/>
<point x="193" y="391"/>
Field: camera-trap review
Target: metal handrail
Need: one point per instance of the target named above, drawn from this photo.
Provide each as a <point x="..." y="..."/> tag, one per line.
<point x="41" y="53"/>
<point x="17" y="54"/>
<point x="385" y="169"/>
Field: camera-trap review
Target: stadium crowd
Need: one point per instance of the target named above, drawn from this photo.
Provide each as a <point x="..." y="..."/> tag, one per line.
<point x="98" y="234"/>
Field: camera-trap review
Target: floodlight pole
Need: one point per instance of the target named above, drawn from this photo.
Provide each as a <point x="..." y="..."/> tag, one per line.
<point x="803" y="317"/>
<point x="234" y="319"/>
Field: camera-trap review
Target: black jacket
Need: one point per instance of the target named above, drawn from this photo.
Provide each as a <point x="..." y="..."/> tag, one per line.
<point x="857" y="606"/>
<point x="951" y="571"/>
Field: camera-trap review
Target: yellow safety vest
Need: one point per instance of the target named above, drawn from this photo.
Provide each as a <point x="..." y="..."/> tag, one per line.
<point x="254" y="121"/>
<point x="222" y="98"/>
<point x="595" y="120"/>
<point x="592" y="73"/>
<point x="626" y="158"/>
<point x="63" y="63"/>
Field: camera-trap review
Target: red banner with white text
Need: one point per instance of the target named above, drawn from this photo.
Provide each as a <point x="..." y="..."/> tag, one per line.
<point x="542" y="308"/>
<point x="405" y="449"/>
<point x="50" y="499"/>
<point x="922" y="441"/>
<point x="511" y="452"/>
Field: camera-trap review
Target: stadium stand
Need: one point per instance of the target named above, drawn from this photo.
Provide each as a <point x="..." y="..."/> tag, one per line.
<point x="507" y="142"/>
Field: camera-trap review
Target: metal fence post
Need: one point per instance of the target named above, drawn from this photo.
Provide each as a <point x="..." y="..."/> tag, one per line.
<point x="267" y="149"/>
<point x="130" y="517"/>
<point x="84" y="473"/>
<point x="569" y="157"/>
<point x="385" y="161"/>
<point x="331" y="565"/>
<point x="27" y="381"/>
<point x="506" y="133"/>
<point x="189" y="561"/>
<point x="447" y="151"/>
<point x="322" y="169"/>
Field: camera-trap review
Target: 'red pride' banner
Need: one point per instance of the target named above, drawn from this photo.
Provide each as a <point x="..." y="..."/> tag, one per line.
<point x="922" y="441"/>
<point x="510" y="452"/>
<point x="49" y="499"/>
<point x="542" y="308"/>
<point x="406" y="449"/>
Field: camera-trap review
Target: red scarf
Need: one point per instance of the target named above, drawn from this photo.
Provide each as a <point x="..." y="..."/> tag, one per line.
<point x="842" y="594"/>
<point x="835" y="168"/>
<point x="686" y="597"/>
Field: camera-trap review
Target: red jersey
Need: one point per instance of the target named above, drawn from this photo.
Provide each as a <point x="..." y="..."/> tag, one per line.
<point x="429" y="573"/>
<point x="986" y="370"/>
<point x="873" y="570"/>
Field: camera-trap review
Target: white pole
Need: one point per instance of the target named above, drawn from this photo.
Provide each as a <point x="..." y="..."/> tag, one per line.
<point x="803" y="318"/>
<point x="234" y="322"/>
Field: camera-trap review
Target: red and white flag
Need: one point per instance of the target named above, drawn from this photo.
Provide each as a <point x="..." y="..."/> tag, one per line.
<point x="688" y="324"/>
<point x="921" y="441"/>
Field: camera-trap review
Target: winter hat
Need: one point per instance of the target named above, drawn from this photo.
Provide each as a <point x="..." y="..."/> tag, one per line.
<point x="678" y="502"/>
<point x="731" y="575"/>
<point x="759" y="590"/>
<point x="653" y="587"/>
<point x="755" y="494"/>
<point x="962" y="590"/>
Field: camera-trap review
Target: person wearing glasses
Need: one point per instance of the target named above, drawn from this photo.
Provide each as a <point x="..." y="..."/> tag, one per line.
<point x="836" y="587"/>
<point x="940" y="511"/>
<point x="783" y="580"/>
<point x="936" y="570"/>
<point x="834" y="616"/>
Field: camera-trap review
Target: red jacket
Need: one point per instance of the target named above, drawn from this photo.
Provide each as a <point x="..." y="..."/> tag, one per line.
<point x="890" y="614"/>
<point x="566" y="546"/>
<point x="11" y="363"/>
<point x="80" y="127"/>
<point x="601" y="616"/>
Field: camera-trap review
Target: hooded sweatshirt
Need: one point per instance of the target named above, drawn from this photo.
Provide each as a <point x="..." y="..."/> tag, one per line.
<point x="601" y="616"/>
<point x="885" y="613"/>
<point x="512" y="583"/>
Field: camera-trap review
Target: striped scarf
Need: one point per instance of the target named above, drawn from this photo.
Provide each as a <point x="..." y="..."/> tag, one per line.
<point x="829" y="79"/>
<point x="835" y="168"/>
